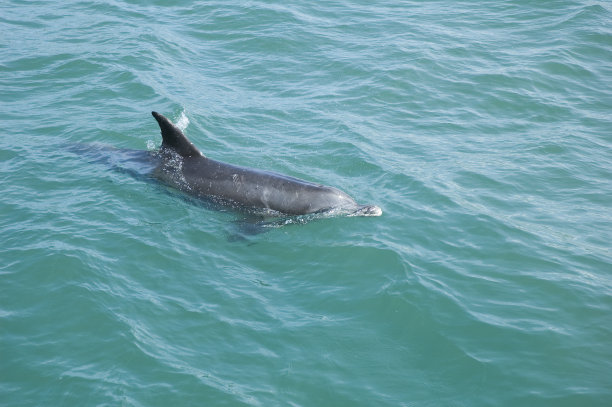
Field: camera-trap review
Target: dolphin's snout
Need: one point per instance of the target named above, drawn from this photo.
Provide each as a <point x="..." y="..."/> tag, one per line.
<point x="368" y="210"/>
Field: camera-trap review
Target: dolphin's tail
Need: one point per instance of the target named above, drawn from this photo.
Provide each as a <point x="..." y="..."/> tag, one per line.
<point x="367" y="210"/>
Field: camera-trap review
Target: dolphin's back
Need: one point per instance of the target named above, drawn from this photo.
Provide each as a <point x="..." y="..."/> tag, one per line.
<point x="261" y="189"/>
<point x="183" y="166"/>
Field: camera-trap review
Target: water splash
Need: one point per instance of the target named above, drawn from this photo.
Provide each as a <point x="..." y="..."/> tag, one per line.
<point x="182" y="122"/>
<point x="151" y="145"/>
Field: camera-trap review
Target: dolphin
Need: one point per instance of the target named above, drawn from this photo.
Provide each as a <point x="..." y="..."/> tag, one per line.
<point x="182" y="166"/>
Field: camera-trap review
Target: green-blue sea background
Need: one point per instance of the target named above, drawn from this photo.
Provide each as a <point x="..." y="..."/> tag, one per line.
<point x="482" y="128"/>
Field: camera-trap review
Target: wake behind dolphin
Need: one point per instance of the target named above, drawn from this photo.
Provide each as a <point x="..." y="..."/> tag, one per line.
<point x="184" y="167"/>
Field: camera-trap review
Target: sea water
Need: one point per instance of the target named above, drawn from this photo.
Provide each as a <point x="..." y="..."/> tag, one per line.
<point x="483" y="129"/>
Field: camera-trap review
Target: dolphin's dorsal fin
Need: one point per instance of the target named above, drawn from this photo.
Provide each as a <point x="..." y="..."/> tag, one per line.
<point x="174" y="138"/>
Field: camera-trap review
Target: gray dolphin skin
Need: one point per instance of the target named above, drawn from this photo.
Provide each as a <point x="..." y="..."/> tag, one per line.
<point x="184" y="167"/>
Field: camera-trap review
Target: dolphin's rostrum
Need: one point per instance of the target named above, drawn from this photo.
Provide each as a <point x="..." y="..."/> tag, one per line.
<point x="184" y="167"/>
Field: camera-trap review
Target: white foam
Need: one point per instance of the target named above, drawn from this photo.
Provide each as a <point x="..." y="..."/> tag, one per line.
<point x="182" y="121"/>
<point x="151" y="145"/>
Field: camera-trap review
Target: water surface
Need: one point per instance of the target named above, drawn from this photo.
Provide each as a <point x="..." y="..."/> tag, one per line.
<point x="482" y="129"/>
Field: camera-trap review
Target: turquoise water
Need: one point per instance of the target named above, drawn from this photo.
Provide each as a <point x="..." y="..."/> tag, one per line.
<point x="482" y="129"/>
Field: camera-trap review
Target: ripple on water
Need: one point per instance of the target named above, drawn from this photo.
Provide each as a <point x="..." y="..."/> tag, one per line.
<point x="481" y="130"/>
